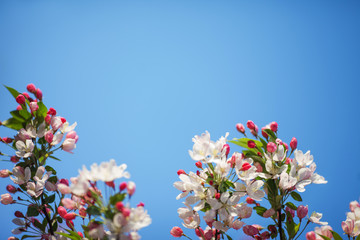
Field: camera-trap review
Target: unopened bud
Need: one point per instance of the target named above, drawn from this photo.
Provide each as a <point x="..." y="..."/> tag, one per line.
<point x="293" y="143"/>
<point x="38" y="94"/>
<point x="198" y="164"/>
<point x="274" y="126"/>
<point x="122" y="186"/>
<point x="20" y="99"/>
<point x="180" y="171"/>
<point x="31" y="88"/>
<point x="251" y="125"/>
<point x="176" y="232"/>
<point x="240" y="128"/>
<point x="251" y="144"/>
<point x="271" y="147"/>
<point x="11" y="189"/>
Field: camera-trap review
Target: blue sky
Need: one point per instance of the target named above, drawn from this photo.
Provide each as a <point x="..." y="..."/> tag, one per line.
<point x="141" y="78"/>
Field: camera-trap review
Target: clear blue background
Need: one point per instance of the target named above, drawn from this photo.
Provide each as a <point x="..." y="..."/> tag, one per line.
<point x="141" y="78"/>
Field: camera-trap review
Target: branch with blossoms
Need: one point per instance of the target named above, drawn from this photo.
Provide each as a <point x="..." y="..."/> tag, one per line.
<point x="263" y="170"/>
<point x="49" y="214"/>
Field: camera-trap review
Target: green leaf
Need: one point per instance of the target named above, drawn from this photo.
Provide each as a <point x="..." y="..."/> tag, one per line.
<point x="55" y="225"/>
<point x="271" y="134"/>
<point x="336" y="236"/>
<point x="358" y="238"/>
<point x="42" y="110"/>
<point x="17" y="116"/>
<point x="68" y="236"/>
<point x="243" y="142"/>
<point x="50" y="199"/>
<point x="39" y="225"/>
<point x="324" y="237"/>
<point x="119" y="197"/>
<point x="228" y="237"/>
<point x="32" y="211"/>
<point x="13" y="92"/>
<point x="55" y="158"/>
<point x="28" y="236"/>
<point x="296" y="196"/>
<point x="25" y="114"/>
<point x="291" y="205"/>
<point x="93" y="211"/>
<point x="260" y="210"/>
<point x="13" y="123"/>
<point x="48" y="168"/>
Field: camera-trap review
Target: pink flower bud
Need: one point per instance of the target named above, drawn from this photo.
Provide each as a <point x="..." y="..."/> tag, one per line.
<point x="63" y="120"/>
<point x="291" y="211"/>
<point x="180" y="171"/>
<point x="70" y="224"/>
<point x="249" y="200"/>
<point x="51" y="111"/>
<point x="48" y="119"/>
<point x="272" y="228"/>
<point x="199" y="232"/>
<point x="122" y="186"/>
<point x="141" y="204"/>
<point x="19" y="214"/>
<point x="7" y="140"/>
<point x="286" y="146"/>
<point x="131" y="188"/>
<point x="68" y="145"/>
<point x="62" y="211"/>
<point x="250" y="230"/>
<point x="4" y="173"/>
<point x="348" y="226"/>
<point x="126" y="212"/>
<point x="293" y="143"/>
<point x="246" y="166"/>
<point x="302" y="211"/>
<point x="119" y="206"/>
<point x="82" y="212"/>
<point x="64" y="181"/>
<point x="288" y="161"/>
<point x="19" y="108"/>
<point x="198" y="164"/>
<point x="110" y="184"/>
<point x="26" y="95"/>
<point x="251" y="144"/>
<point x="268" y="213"/>
<point x="38" y="94"/>
<point x="240" y="128"/>
<point x="68" y="203"/>
<point x="72" y="135"/>
<point x="11" y="189"/>
<point x="14" y="159"/>
<point x="70" y="216"/>
<point x="49" y="136"/>
<point x="14" y="238"/>
<point x="33" y="106"/>
<point x="20" y="99"/>
<point x="251" y="125"/>
<point x="31" y="88"/>
<point x="279" y="141"/>
<point x="217" y="195"/>
<point x="271" y="147"/>
<point x="6" y="199"/>
<point x="226" y="147"/>
<point x="265" y="135"/>
<point x="176" y="232"/>
<point x="353" y="205"/>
<point x="274" y="126"/>
<point x="80" y="234"/>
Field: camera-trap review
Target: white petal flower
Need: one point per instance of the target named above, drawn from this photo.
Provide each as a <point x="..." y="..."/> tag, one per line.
<point x="315" y="218"/>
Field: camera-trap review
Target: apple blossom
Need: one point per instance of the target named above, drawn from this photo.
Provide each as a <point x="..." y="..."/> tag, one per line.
<point x="68" y="145"/>
<point x="20" y="99"/>
<point x="25" y="149"/>
<point x="293" y="143"/>
<point x="302" y="211"/>
<point x="240" y="128"/>
<point x="4" y="173"/>
<point x="33" y="106"/>
<point x="6" y="199"/>
<point x="38" y="94"/>
<point x="176" y="232"/>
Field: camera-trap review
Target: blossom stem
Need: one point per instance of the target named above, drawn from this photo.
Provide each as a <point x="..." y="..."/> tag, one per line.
<point x="280" y="226"/>
<point x="303" y="229"/>
<point x="46" y="215"/>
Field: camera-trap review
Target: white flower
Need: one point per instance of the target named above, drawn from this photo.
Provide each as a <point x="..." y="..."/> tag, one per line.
<point x="286" y="181"/>
<point x="253" y="190"/>
<point x="66" y="128"/>
<point x="191" y="219"/>
<point x="25" y="149"/>
<point x="315" y="218"/>
<point x="106" y="171"/>
<point x="302" y="159"/>
<point x="79" y="186"/>
<point x="139" y="218"/>
<point x="20" y="176"/>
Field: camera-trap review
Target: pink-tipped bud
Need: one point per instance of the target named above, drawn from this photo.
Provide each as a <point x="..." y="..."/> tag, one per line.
<point x="70" y="216"/>
<point x="80" y="234"/>
<point x="38" y="94"/>
<point x="122" y="186"/>
<point x="26" y="95"/>
<point x="6" y="199"/>
<point x="293" y="143"/>
<point x="141" y="204"/>
<point x="49" y="136"/>
<point x="199" y="232"/>
<point x="286" y="146"/>
<point x="33" y="106"/>
<point x="4" y="173"/>
<point x="20" y="99"/>
<point x="348" y="226"/>
<point x="249" y="200"/>
<point x="217" y="196"/>
<point x="353" y="205"/>
<point x="7" y="140"/>
<point x="246" y="166"/>
<point x="251" y="144"/>
<point x="211" y="182"/>
<point x="31" y="88"/>
<point x="271" y="147"/>
<point x="131" y="188"/>
<point x="51" y="111"/>
<point x="70" y="224"/>
<point x="19" y="214"/>
<point x="288" y="161"/>
<point x="48" y="119"/>
<point x="311" y="236"/>
<point x="291" y="211"/>
<point x="14" y="159"/>
<point x="11" y="189"/>
<point x="19" y="108"/>
<point x="198" y="164"/>
<point x="176" y="232"/>
<point x="110" y="184"/>
<point x="272" y="228"/>
<point x="119" y="206"/>
<point x="126" y="212"/>
<point x="63" y="120"/>
<point x="180" y="171"/>
<point x="64" y="181"/>
<point x="240" y="128"/>
<point x="82" y="212"/>
<point x="251" y="125"/>
<point x="274" y="126"/>
<point x="62" y="211"/>
<point x="302" y="211"/>
<point x="265" y="135"/>
<point x="226" y="148"/>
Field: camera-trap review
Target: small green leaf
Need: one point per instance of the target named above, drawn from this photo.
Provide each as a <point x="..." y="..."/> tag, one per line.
<point x="13" y="92"/>
<point x="13" y="123"/>
<point x="296" y="196"/>
<point x="358" y="238"/>
<point x="25" y="114"/>
<point x="336" y="235"/>
<point x="32" y="211"/>
<point x="42" y="110"/>
<point x="260" y="210"/>
<point x="55" y="158"/>
<point x="17" y="116"/>
<point x="291" y="205"/>
<point x="228" y="237"/>
<point x="271" y="134"/>
<point x="38" y="225"/>
<point x="119" y="197"/>
<point x="93" y="211"/>
<point x="68" y="236"/>
<point x="48" y="168"/>
<point x="324" y="237"/>
<point x="50" y="199"/>
<point x="28" y="236"/>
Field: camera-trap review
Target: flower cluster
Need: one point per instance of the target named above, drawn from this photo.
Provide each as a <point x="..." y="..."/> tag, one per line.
<point x="264" y="169"/>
